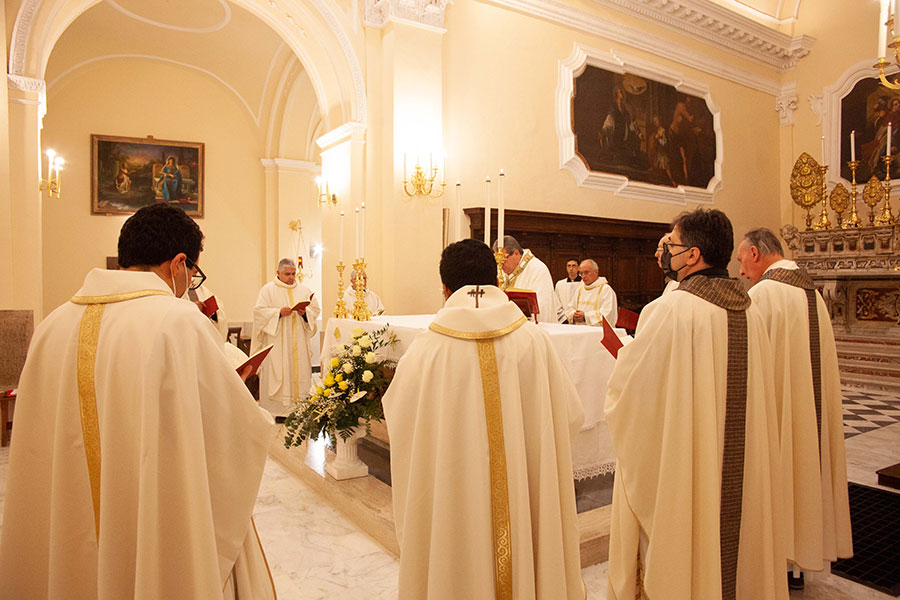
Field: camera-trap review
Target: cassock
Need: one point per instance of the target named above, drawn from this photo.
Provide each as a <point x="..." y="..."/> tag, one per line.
<point x="137" y="456"/>
<point x="565" y="295"/>
<point x="481" y="415"/>
<point x="531" y="274"/>
<point x="286" y="373"/>
<point x="691" y="412"/>
<point x="372" y="301"/>
<point x="810" y="416"/>
<point x="595" y="300"/>
<point x="218" y="318"/>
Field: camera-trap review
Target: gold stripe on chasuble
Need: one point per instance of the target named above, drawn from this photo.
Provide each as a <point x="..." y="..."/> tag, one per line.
<point x="295" y="380"/>
<point x="500" y="521"/>
<point x="88" y="335"/>
<point x="478" y="335"/>
<point x="112" y="298"/>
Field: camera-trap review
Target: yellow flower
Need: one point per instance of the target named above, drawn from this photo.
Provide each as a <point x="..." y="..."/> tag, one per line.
<point x="343" y="385"/>
<point x="319" y="391"/>
<point x="339" y="378"/>
<point x="329" y="380"/>
<point x="335" y="362"/>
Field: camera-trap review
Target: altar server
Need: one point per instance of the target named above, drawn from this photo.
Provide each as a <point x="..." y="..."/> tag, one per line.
<point x="808" y="394"/>
<point x="594" y="299"/>
<point x="481" y="465"/>
<point x="691" y="411"/>
<point x="372" y="299"/>
<point x="138" y="451"/>
<point x="522" y="270"/>
<point x="566" y="289"/>
<point x="286" y="373"/>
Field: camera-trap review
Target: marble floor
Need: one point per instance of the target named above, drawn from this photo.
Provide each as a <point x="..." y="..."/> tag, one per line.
<point x="316" y="553"/>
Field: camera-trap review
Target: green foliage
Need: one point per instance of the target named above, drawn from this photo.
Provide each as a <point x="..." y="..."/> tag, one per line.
<point x="350" y="390"/>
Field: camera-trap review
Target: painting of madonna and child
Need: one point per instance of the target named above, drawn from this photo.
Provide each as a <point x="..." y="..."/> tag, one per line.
<point x="645" y="130"/>
<point x="129" y="173"/>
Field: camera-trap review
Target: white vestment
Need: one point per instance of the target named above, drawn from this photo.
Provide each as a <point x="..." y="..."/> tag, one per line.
<point x="565" y="295"/>
<point x="286" y="373"/>
<point x="372" y="301"/>
<point x="671" y="284"/>
<point x="137" y="456"/>
<point x="221" y="320"/>
<point x="531" y="274"/>
<point x="595" y="300"/>
<point x="447" y="457"/>
<point x="817" y="511"/>
<point x="666" y="414"/>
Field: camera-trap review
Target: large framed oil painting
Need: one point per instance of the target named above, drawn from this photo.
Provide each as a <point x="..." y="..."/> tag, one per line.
<point x="129" y="173"/>
<point x="648" y="131"/>
<point x="867" y="109"/>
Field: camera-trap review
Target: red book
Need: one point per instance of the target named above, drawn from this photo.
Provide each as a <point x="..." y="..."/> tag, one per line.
<point x="302" y="305"/>
<point x="210" y="306"/>
<point x="627" y="319"/>
<point x="255" y="361"/>
<point x="610" y="340"/>
<point x="526" y="300"/>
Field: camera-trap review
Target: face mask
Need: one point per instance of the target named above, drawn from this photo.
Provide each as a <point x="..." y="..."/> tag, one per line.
<point x="187" y="282"/>
<point x="666" y="261"/>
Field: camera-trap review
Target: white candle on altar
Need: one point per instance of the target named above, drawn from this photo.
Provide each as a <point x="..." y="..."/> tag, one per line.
<point x="882" y="30"/>
<point x="362" y="241"/>
<point x="853" y="145"/>
<point x="500" y="216"/>
<point x="341" y="239"/>
<point x="887" y="145"/>
<point x="487" y="211"/>
<point x="356" y="255"/>
<point x="824" y="162"/>
<point x="457" y="212"/>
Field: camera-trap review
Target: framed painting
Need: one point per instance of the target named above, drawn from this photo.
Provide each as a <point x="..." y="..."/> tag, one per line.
<point x="867" y="109"/>
<point x="129" y="173"/>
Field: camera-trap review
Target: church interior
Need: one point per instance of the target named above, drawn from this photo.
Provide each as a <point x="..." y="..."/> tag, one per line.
<point x="334" y="132"/>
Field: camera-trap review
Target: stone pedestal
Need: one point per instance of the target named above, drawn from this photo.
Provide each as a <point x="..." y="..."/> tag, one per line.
<point x="346" y="463"/>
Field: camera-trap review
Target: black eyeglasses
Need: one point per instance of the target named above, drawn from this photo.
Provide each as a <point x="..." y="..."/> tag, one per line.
<point x="198" y="278"/>
<point x="667" y="244"/>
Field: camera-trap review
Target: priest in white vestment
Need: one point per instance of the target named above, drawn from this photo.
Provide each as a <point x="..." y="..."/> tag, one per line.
<point x="566" y="289"/>
<point x="138" y="451"/>
<point x="286" y="374"/>
<point x="691" y="412"/>
<point x="373" y="302"/>
<point x="809" y="401"/>
<point x="481" y="415"/>
<point x="522" y="270"/>
<point x="594" y="299"/>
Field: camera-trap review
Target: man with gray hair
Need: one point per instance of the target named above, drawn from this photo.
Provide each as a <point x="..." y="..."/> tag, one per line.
<point x="594" y="300"/>
<point x="286" y="373"/>
<point x="371" y="298"/>
<point x="808" y="400"/>
<point x="522" y="270"/>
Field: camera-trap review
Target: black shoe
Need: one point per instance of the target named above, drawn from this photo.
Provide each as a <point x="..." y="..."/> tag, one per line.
<point x="795" y="583"/>
<point x="280" y="420"/>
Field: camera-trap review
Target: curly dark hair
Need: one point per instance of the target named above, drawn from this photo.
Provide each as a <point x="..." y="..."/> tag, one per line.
<point x="468" y="262"/>
<point x="157" y="233"/>
<point x="710" y="231"/>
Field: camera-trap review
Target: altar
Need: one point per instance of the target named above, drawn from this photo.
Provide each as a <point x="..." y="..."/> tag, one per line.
<point x="580" y="348"/>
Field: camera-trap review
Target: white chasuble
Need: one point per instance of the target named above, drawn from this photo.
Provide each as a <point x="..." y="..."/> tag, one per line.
<point x="137" y="456"/>
<point x="689" y="521"/>
<point x="533" y="275"/>
<point x="817" y="511"/>
<point x="481" y="415"/>
<point x="596" y="301"/>
<point x="286" y="373"/>
<point x="372" y="301"/>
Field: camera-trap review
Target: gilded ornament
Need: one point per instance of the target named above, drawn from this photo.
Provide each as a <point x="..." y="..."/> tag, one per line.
<point x="840" y="200"/>
<point x="806" y="185"/>
<point x="873" y="193"/>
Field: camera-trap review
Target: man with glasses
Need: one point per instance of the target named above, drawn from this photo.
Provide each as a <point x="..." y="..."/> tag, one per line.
<point x="138" y="452"/>
<point x="697" y="500"/>
<point x="594" y="300"/>
<point x="286" y="374"/>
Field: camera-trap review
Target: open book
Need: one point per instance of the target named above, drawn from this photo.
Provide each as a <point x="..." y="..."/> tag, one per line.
<point x="210" y="306"/>
<point x="255" y="360"/>
<point x="526" y="300"/>
<point x="610" y="340"/>
<point x="302" y="305"/>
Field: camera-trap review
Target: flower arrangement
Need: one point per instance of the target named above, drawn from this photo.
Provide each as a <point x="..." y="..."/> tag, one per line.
<point x="350" y="390"/>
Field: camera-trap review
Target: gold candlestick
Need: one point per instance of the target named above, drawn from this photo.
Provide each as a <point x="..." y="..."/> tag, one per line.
<point x="340" y="308"/>
<point x="853" y="220"/>
<point x="886" y="217"/>
<point x="823" y="223"/>
<point x="361" y="310"/>
<point x="500" y="257"/>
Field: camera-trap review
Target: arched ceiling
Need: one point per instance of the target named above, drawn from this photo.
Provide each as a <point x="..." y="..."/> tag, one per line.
<point x="212" y="36"/>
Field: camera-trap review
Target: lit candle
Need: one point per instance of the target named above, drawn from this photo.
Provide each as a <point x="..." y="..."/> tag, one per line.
<point x="824" y="162"/>
<point x="362" y="242"/>
<point x="882" y="30"/>
<point x="500" y="216"/>
<point x="341" y="239"/>
<point x="853" y="145"/>
<point x="487" y="211"/>
<point x="458" y="212"/>
<point x="887" y="145"/>
<point x="357" y="234"/>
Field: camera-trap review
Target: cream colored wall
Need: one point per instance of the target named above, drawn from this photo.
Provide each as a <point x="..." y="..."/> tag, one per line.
<point x="135" y="97"/>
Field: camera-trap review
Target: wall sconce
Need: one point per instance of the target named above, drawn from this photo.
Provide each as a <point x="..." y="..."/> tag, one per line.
<point x="53" y="184"/>
<point x="422" y="183"/>
<point x="324" y="195"/>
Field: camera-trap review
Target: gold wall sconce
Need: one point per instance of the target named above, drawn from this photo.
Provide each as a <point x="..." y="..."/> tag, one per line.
<point x="53" y="183"/>
<point x="422" y="182"/>
<point x="325" y="197"/>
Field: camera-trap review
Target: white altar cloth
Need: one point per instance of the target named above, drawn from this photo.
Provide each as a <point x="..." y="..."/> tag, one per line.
<point x="588" y="362"/>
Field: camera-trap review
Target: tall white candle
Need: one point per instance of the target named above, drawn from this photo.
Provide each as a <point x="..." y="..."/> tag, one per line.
<point x="882" y="30"/>
<point x="501" y="218"/>
<point x="362" y="241"/>
<point x="487" y="211"/>
<point x="853" y="145"/>
<point x="457" y="212"/>
<point x="824" y="162"/>
<point x="356" y="255"/>
<point x="341" y="239"/>
<point x="887" y="145"/>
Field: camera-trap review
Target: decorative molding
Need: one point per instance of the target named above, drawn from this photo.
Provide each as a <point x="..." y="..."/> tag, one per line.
<point x="582" y="20"/>
<point x="619" y="184"/>
<point x="349" y="130"/>
<point x="786" y="104"/>
<point x="26" y="84"/>
<point x="212" y="29"/>
<point x="817" y="105"/>
<point x="290" y="165"/>
<point x="720" y="26"/>
<point x="429" y="13"/>
<point x="21" y="32"/>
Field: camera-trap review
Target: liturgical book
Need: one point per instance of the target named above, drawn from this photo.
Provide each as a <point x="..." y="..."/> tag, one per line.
<point x="610" y="340"/>
<point x="526" y="300"/>
<point x="255" y="360"/>
<point x="302" y="305"/>
<point x="210" y="306"/>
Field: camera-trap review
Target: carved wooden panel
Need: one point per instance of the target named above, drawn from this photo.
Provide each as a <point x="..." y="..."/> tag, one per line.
<point x="623" y="249"/>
